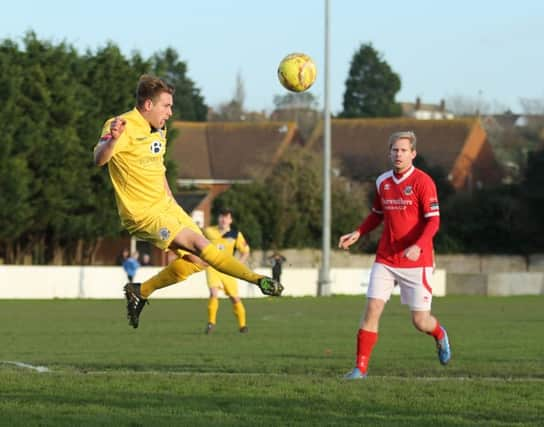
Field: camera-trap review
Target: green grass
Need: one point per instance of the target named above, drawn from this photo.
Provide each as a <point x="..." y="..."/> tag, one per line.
<point x="286" y="371"/>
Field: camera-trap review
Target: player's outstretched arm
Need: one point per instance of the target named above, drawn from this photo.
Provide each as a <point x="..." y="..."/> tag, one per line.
<point x="370" y="223"/>
<point x="104" y="149"/>
<point x="348" y="239"/>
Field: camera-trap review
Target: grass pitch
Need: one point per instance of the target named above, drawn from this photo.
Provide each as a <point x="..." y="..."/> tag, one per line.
<point x="286" y="371"/>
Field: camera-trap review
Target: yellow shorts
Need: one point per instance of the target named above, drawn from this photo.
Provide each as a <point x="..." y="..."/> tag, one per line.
<point x="162" y="227"/>
<point x="222" y="281"/>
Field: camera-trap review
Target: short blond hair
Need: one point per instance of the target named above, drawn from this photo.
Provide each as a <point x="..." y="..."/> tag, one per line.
<point x="406" y="134"/>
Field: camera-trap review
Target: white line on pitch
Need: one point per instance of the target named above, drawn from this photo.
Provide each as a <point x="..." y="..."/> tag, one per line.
<point x="462" y="378"/>
<point x="26" y="365"/>
<point x="276" y="375"/>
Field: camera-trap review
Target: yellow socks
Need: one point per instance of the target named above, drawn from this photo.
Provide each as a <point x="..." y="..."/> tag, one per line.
<point x="238" y="309"/>
<point x="213" y="306"/>
<point x="177" y="271"/>
<point x="228" y="264"/>
<point x="240" y="313"/>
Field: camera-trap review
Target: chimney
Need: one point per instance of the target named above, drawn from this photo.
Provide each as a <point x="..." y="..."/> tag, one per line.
<point x="418" y="103"/>
<point x="442" y="105"/>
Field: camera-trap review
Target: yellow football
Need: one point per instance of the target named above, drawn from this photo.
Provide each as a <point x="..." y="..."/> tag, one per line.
<point x="297" y="72"/>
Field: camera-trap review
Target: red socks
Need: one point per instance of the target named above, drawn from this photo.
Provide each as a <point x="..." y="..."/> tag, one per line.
<point x="365" y="344"/>
<point x="367" y="339"/>
<point x="437" y="333"/>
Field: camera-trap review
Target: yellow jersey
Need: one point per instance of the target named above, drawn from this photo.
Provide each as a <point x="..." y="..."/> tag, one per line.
<point x="228" y="241"/>
<point x="137" y="168"/>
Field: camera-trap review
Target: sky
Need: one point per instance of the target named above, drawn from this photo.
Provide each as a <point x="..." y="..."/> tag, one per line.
<point x="484" y="49"/>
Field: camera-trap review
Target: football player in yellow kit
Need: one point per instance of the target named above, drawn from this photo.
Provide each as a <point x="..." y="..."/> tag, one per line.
<point x="228" y="239"/>
<point x="133" y="145"/>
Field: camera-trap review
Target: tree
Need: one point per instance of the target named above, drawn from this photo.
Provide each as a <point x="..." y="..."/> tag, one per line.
<point x="15" y="176"/>
<point x="301" y="108"/>
<point x="532" y="123"/>
<point x="533" y="194"/>
<point x="230" y="111"/>
<point x="295" y="101"/>
<point x="532" y="105"/>
<point x="486" y="221"/>
<point x="246" y="202"/>
<point x="16" y="208"/>
<point x="439" y="176"/>
<point x="188" y="101"/>
<point x="371" y="86"/>
<point x="110" y="80"/>
<point x="292" y="194"/>
<point x="464" y="105"/>
<point x="55" y="204"/>
<point x="233" y="110"/>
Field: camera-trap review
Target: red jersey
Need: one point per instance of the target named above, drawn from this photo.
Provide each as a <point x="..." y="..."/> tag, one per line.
<point x="406" y="203"/>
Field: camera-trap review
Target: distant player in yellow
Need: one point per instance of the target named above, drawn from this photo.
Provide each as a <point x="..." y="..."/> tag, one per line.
<point x="229" y="240"/>
<point x="133" y="145"/>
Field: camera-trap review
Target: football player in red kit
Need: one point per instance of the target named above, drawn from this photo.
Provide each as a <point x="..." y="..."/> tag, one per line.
<point x="406" y="202"/>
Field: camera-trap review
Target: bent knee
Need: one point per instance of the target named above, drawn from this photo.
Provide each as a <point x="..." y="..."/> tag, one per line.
<point x="420" y="321"/>
<point x="195" y="260"/>
<point x="183" y="268"/>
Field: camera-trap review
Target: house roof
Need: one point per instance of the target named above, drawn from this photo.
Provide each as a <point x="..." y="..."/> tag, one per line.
<point x="509" y="121"/>
<point x="361" y="145"/>
<point x="409" y="108"/>
<point x="506" y="121"/>
<point x="229" y="151"/>
<point x="190" y="149"/>
<point x="190" y="200"/>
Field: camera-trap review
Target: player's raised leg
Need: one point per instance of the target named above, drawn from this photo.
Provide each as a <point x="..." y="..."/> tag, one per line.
<point x="135" y="303"/>
<point x="188" y="239"/>
<point x="177" y="271"/>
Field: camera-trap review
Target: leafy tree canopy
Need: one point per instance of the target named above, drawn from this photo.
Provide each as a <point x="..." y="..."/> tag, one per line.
<point x="55" y="205"/>
<point x="371" y="86"/>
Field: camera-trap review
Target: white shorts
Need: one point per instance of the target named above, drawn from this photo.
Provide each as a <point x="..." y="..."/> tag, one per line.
<point x="415" y="288"/>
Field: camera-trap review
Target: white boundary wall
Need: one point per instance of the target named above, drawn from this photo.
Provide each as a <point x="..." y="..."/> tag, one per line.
<point x="46" y="282"/>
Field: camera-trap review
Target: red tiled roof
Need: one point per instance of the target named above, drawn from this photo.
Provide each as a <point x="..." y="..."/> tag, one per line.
<point x="361" y="144"/>
<point x="227" y="150"/>
<point x="190" y="150"/>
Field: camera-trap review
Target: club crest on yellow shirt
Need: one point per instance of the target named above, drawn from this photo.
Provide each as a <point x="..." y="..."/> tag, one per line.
<point x="164" y="233"/>
<point x="155" y="147"/>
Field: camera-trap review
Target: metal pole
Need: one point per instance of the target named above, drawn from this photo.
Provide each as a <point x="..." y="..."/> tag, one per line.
<point x="323" y="287"/>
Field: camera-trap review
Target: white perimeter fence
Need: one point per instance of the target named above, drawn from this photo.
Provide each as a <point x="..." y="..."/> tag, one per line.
<point x="46" y="282"/>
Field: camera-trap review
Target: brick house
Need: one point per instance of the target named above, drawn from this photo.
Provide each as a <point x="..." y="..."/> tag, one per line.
<point x="459" y="146"/>
<point x="421" y="111"/>
<point x="214" y="155"/>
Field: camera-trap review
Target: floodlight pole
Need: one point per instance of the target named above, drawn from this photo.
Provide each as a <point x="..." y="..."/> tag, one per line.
<point x="324" y="282"/>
